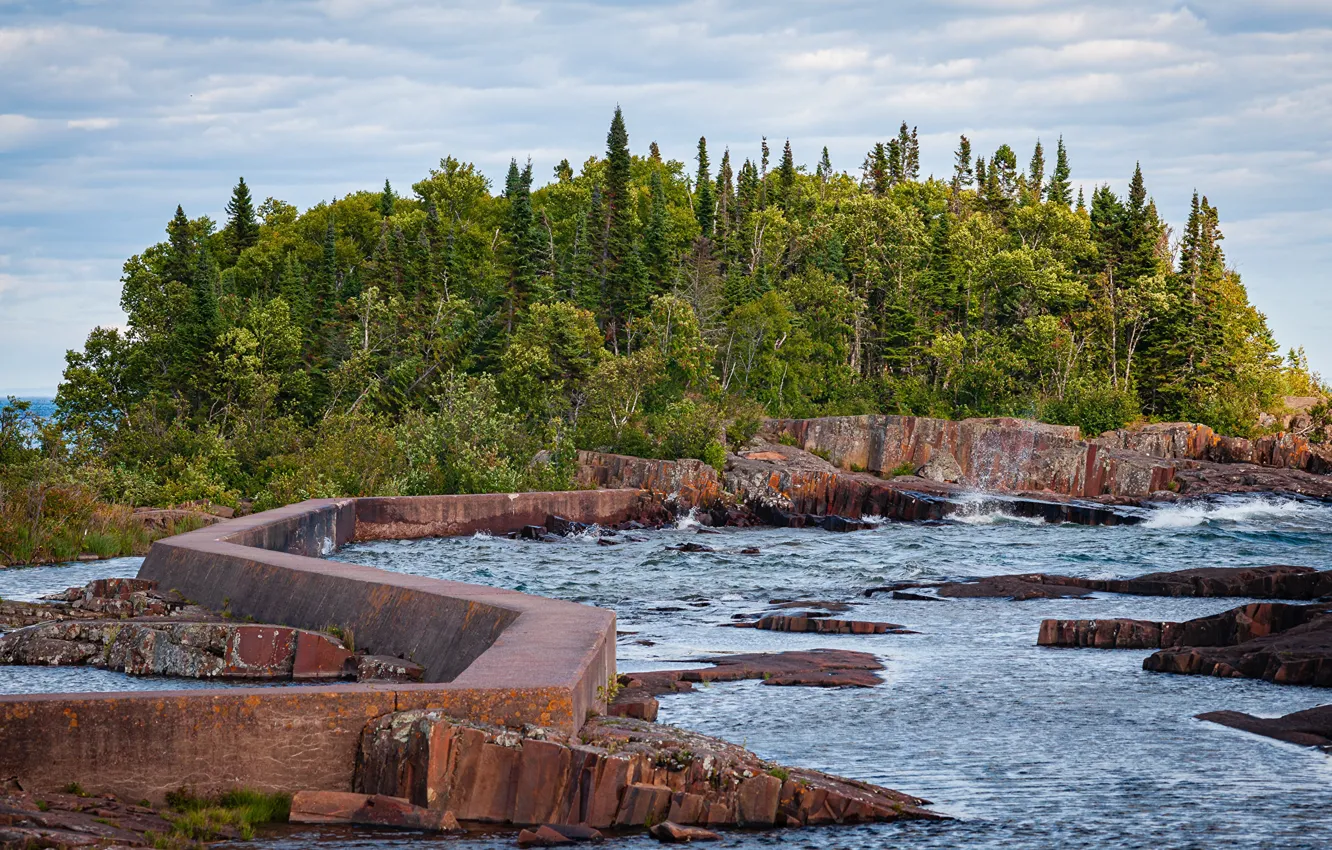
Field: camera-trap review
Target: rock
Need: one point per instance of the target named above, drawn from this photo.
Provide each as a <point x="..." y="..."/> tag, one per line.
<point x="941" y="466"/>
<point x="1301" y="655"/>
<point x="691" y="547"/>
<point x="563" y="527"/>
<point x="1228" y="628"/>
<point x="834" y="522"/>
<point x="534" y="532"/>
<point x="823" y="625"/>
<point x="620" y="772"/>
<point x="906" y="596"/>
<point x="387" y="668"/>
<point x="341" y="807"/>
<point x="1272" y="582"/>
<point x="673" y="833"/>
<point x="1310" y="728"/>
<point x="750" y="550"/>
<point x="67" y="821"/>
<point x="825" y="668"/>
<point x="1018" y="588"/>
<point x="542" y="836"/>
<point x="102" y="599"/>
<point x="167" y="648"/>
<point x="318" y="657"/>
<point x="636" y="703"/>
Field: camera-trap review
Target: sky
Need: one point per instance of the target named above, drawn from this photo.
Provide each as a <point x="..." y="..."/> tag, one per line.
<point x="112" y="113"/>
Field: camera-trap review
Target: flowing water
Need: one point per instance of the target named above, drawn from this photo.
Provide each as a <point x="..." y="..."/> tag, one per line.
<point x="1022" y="746"/>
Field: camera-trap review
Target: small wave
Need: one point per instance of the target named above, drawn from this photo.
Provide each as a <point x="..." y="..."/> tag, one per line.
<point x="1230" y="511"/>
<point x="688" y="521"/>
<point x="983" y="509"/>
<point x="482" y="535"/>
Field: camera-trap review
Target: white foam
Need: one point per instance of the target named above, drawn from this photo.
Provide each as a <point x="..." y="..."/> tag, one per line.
<point x="1237" y="510"/>
<point x="689" y="520"/>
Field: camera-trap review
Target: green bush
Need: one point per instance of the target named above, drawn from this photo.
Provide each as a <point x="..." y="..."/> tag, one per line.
<point x="1092" y="406"/>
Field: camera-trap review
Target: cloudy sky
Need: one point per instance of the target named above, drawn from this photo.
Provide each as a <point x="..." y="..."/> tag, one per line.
<point x="111" y="113"/>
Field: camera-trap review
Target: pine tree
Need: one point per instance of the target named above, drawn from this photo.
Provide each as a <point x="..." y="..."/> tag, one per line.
<point x="1036" y="174"/>
<point x="1082" y="204"/>
<point x="896" y="163"/>
<point x="824" y="171"/>
<point x="763" y="175"/>
<point x="242" y="228"/>
<point x="705" y="204"/>
<point x="913" y="157"/>
<point x="963" y="174"/>
<point x="564" y="171"/>
<point x="654" y="152"/>
<point x="981" y="176"/>
<point x="524" y="247"/>
<point x="386" y="200"/>
<point x="1059" y="189"/>
<point x="326" y="283"/>
<point x="786" y="177"/>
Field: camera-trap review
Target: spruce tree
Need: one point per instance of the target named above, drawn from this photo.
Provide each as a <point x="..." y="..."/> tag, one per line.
<point x="896" y="166"/>
<point x="620" y="279"/>
<point x="564" y="171"/>
<point x="876" y="169"/>
<point x="725" y="194"/>
<point x="524" y="246"/>
<point x="1036" y="174"/>
<point x="1082" y="204"/>
<point x="786" y="176"/>
<point x="913" y="157"/>
<point x="654" y="152"/>
<point x="705" y="205"/>
<point x="1060" y="190"/>
<point x="763" y="176"/>
<point x="181" y="259"/>
<point x="242" y="228"/>
<point x="824" y="171"/>
<point x="963" y="174"/>
<point x="386" y="200"/>
<point x="326" y="284"/>
<point x="656" y="250"/>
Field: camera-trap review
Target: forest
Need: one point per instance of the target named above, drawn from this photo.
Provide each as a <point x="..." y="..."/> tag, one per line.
<point x="465" y="337"/>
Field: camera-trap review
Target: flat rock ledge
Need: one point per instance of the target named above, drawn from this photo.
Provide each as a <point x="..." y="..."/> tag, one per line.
<point x="1309" y="728"/>
<point x="619" y="773"/>
<point x="50" y="820"/>
<point x="819" y="668"/>
<point x="1278" y="581"/>
<point x="163" y="635"/>
<point x="1281" y="643"/>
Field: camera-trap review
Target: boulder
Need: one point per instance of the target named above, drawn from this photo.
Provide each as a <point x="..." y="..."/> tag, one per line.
<point x="941" y="466"/>
<point x="387" y="668"/>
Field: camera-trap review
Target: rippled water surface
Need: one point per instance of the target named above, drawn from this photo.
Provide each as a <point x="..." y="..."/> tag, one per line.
<point x="1024" y="747"/>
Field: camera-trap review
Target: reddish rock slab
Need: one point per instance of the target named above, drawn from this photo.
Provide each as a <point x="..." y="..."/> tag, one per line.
<point x="1228" y="628"/>
<point x="826" y="668"/>
<point x="619" y="772"/>
<point x="340" y="807"/>
<point x="824" y="625"/>
<point x="1298" y="656"/>
<point x="674" y="833"/>
<point x="29" y="820"/>
<point x="542" y="836"/>
<point x="1310" y="728"/>
<point x="317" y="657"/>
<point x="1271" y="582"/>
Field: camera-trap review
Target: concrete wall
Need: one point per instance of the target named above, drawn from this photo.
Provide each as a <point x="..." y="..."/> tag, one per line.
<point x="491" y="655"/>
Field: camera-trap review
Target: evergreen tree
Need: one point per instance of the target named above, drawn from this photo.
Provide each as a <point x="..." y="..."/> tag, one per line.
<point x="564" y="171"/>
<point x="786" y="177"/>
<point x="963" y="174"/>
<point x="1036" y="174"/>
<point x="525" y="287"/>
<point x="877" y="169"/>
<point x="242" y="228"/>
<point x="725" y="194"/>
<point x="824" y="171"/>
<point x="620" y="276"/>
<point x="326" y="283"/>
<point x="386" y="200"/>
<point x="181" y="259"/>
<point x="763" y="175"/>
<point x="981" y="176"/>
<point x="705" y="204"/>
<point x="656" y="249"/>
<point x="1060" y="190"/>
<point x="1082" y="204"/>
<point x="654" y="152"/>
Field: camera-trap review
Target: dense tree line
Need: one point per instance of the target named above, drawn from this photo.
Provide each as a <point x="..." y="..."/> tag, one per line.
<point x="456" y="338"/>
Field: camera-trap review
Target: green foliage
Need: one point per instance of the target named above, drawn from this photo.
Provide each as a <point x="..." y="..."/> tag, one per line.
<point x="231" y="814"/>
<point x="458" y="339"/>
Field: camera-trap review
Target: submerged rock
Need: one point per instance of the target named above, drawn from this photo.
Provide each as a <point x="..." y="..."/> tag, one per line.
<point x="1270" y="582"/>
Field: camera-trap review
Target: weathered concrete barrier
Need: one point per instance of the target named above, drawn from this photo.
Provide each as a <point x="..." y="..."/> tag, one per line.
<point x="490" y="655"/>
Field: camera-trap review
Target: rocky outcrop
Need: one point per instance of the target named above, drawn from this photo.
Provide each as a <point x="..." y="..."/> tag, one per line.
<point x="805" y="622"/>
<point x="344" y="807"/>
<point x="1190" y="441"/>
<point x="101" y="599"/>
<point x="194" y="650"/>
<point x="1301" y="655"/>
<point x="686" y="483"/>
<point x="619" y="773"/>
<point x="1228" y="628"/>
<point x="1281" y="643"/>
<point x="1017" y="455"/>
<point x="1271" y="582"/>
<point x="63" y="821"/>
<point x="1309" y="728"/>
